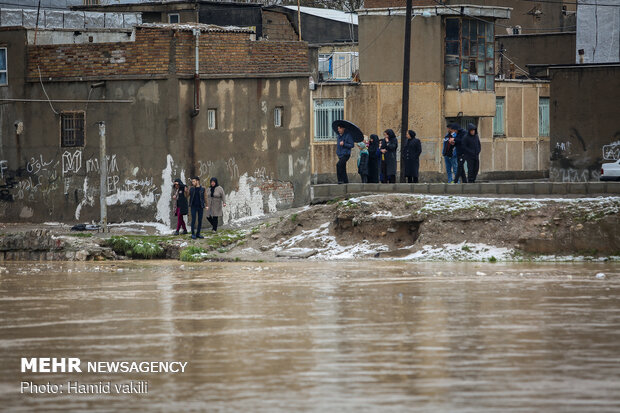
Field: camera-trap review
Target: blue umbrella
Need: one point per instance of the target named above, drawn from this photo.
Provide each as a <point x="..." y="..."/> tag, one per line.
<point x="355" y="132"/>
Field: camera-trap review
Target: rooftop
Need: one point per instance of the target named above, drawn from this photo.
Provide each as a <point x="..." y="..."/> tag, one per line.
<point x="336" y="15"/>
<point x="466" y="10"/>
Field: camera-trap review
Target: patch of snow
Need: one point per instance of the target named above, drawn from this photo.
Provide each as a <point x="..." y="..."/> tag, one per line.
<point x="164" y="206"/>
<point x="162" y="229"/>
<point x="600" y="275"/>
<point x="461" y="252"/>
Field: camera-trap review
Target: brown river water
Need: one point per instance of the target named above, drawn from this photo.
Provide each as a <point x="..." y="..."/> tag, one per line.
<point x="317" y="336"/>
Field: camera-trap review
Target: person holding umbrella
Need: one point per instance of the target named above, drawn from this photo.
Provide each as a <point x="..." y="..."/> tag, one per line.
<point x="348" y="134"/>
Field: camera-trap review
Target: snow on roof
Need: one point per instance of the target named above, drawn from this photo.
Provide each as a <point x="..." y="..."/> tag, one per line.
<point x="201" y="26"/>
<point x="336" y="15"/>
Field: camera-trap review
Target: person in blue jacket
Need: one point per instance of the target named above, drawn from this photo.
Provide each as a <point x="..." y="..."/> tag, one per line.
<point x="449" y="157"/>
<point x="343" y="151"/>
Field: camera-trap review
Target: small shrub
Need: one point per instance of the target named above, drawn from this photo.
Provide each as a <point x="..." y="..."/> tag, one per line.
<point x="193" y="254"/>
<point x="492" y="259"/>
<point x="466" y="248"/>
<point x="136" y="248"/>
<point x="294" y="218"/>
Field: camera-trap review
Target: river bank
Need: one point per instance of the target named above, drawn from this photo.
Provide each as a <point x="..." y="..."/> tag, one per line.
<point x="394" y="227"/>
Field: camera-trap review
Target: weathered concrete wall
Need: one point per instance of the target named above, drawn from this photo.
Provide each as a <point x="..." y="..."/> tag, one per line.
<point x="151" y="140"/>
<point x="522" y="148"/>
<point x="544" y="48"/>
<point x="381" y="39"/>
<point x="598" y="32"/>
<point x="583" y="113"/>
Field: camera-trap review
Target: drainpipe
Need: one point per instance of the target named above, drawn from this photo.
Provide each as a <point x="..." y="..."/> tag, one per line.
<point x="196" y="110"/>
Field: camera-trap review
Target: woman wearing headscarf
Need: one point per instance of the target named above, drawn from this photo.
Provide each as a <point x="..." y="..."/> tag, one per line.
<point x="374" y="159"/>
<point x="215" y="201"/>
<point x="388" y="148"/>
<point x="411" y="157"/>
<point x="180" y="196"/>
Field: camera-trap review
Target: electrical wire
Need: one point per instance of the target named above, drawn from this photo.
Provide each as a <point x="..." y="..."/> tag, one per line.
<point x="44" y="91"/>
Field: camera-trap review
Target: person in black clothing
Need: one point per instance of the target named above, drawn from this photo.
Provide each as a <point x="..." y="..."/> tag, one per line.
<point x="374" y="158"/>
<point x="411" y="154"/>
<point x="457" y="134"/>
<point x="388" y="149"/>
<point x="197" y="203"/>
<point x="180" y="195"/>
<point x="471" y="146"/>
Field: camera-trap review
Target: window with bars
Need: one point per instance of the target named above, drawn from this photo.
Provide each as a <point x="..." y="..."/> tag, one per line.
<point x="4" y="80"/>
<point x="326" y="111"/>
<point x="470" y="54"/>
<point x="174" y="18"/>
<point x="277" y="116"/>
<point x="212" y="118"/>
<point x="72" y="129"/>
<point x="543" y="116"/>
<point x="498" y="120"/>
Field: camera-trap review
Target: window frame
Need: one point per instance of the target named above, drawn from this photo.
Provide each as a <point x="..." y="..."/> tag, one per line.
<point x="212" y="115"/>
<point x="6" y="69"/>
<point x="501" y="133"/>
<point x="464" y="62"/>
<point x="63" y="131"/>
<point x="547" y="106"/>
<point x="278" y="113"/>
<point x="174" y="14"/>
<point x="326" y="111"/>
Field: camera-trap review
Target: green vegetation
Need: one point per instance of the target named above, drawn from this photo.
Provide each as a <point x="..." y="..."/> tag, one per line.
<point x="223" y="238"/>
<point x="492" y="259"/>
<point x="466" y="248"/>
<point x="294" y="218"/>
<point x="135" y="247"/>
<point x="193" y="254"/>
<point x="346" y="204"/>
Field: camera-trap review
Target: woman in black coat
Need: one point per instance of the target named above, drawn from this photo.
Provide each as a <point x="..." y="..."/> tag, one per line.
<point x="411" y="154"/>
<point x="388" y="149"/>
<point x="374" y="159"/>
<point x="179" y="194"/>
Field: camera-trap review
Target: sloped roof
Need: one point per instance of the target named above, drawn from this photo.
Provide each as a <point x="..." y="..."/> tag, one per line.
<point x="336" y="15"/>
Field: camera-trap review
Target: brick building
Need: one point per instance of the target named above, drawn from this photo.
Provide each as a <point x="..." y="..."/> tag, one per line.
<point x="242" y="117"/>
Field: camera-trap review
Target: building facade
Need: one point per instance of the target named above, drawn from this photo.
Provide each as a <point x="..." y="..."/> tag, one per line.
<point x="242" y="117"/>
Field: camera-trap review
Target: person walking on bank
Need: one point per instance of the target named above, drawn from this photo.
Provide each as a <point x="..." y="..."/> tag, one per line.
<point x="449" y="157"/>
<point x="457" y="134"/>
<point x="471" y="144"/>
<point x="215" y="201"/>
<point x="362" y="162"/>
<point x="180" y="196"/>
<point x="411" y="153"/>
<point x="374" y="158"/>
<point x="388" y="148"/>
<point x="197" y="202"/>
<point x="343" y="151"/>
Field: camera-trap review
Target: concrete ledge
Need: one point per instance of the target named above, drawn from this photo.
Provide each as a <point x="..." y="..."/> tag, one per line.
<point x="329" y="191"/>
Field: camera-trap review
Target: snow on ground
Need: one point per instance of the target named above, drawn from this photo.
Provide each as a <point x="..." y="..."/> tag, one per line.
<point x="161" y="229"/>
<point x="327" y="246"/>
<point x="461" y="252"/>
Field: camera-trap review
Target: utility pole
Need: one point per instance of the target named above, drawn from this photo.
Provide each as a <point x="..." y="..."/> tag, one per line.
<point x="103" y="183"/>
<point x="405" y="109"/>
<point x="299" y="18"/>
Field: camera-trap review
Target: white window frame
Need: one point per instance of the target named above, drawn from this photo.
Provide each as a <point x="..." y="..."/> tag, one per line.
<point x="212" y="118"/>
<point x="277" y="116"/>
<point x="501" y="118"/>
<point x="6" y="69"/>
<point x="174" y="14"/>
<point x="544" y="109"/>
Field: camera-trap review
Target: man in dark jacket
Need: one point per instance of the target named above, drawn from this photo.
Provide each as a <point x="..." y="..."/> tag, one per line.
<point x="343" y="151"/>
<point x="471" y="146"/>
<point x="457" y="134"/>
<point x="197" y="203"/>
<point x="449" y="157"/>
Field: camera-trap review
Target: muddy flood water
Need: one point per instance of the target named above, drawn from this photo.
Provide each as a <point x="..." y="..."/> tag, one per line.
<point x="319" y="336"/>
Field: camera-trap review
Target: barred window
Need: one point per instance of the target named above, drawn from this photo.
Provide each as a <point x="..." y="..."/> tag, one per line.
<point x="543" y="117"/>
<point x="72" y="129"/>
<point x="3" y="67"/>
<point x="212" y="118"/>
<point x="326" y="111"/>
<point x="470" y="54"/>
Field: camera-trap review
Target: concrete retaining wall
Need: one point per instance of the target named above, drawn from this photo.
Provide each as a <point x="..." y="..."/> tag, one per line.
<point x="325" y="192"/>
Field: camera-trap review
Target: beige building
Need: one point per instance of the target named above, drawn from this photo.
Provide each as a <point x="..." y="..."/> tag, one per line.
<point x="452" y="79"/>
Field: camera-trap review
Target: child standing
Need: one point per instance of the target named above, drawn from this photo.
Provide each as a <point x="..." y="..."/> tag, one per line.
<point x="362" y="162"/>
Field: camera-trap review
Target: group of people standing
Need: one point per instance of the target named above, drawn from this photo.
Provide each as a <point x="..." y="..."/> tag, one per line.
<point x="461" y="148"/>
<point x="196" y="199"/>
<point x="377" y="158"/>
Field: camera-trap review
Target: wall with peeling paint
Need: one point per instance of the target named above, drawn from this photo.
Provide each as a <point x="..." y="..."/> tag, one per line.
<point x="150" y="142"/>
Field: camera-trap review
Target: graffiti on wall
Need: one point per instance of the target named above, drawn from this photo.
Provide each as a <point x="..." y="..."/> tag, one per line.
<point x="611" y="152"/>
<point x="573" y="175"/>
